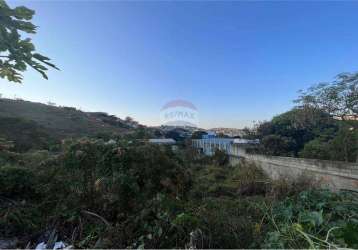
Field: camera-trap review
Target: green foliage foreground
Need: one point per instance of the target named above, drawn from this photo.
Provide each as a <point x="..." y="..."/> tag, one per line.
<point x="127" y="195"/>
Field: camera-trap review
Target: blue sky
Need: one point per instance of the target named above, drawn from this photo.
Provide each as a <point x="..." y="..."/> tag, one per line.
<point x="235" y="61"/>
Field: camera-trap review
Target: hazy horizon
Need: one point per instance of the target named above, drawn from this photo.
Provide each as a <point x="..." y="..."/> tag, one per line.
<point x="237" y="62"/>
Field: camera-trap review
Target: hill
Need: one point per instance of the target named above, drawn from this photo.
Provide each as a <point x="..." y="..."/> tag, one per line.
<point x="24" y="121"/>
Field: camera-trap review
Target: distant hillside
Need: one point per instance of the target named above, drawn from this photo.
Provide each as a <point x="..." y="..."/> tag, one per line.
<point x="26" y="134"/>
<point x="232" y="132"/>
<point x="26" y="119"/>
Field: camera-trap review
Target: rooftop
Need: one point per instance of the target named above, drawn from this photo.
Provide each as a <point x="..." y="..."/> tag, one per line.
<point x="162" y="141"/>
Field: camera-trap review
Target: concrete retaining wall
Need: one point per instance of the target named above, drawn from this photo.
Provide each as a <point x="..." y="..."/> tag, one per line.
<point x="335" y="175"/>
<point x="331" y="174"/>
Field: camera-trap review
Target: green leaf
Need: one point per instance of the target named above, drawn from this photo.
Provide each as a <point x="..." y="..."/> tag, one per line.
<point x="17" y="52"/>
<point x="350" y="235"/>
<point x="312" y="218"/>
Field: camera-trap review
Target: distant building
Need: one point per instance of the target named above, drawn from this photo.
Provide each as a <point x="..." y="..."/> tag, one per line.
<point x="111" y="142"/>
<point x="231" y="146"/>
<point x="165" y="141"/>
<point x="245" y="141"/>
<point x="347" y="117"/>
<point x="209" y="135"/>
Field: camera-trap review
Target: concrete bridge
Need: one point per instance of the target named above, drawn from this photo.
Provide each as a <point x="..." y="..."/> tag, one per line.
<point x="332" y="174"/>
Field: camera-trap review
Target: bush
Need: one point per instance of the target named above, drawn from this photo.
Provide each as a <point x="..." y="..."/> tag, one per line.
<point x="224" y="223"/>
<point x="313" y="219"/>
<point x="220" y="158"/>
<point x="278" y="145"/>
<point x="17" y="182"/>
<point x="316" y="149"/>
<point x="288" y="187"/>
<point x="252" y="180"/>
<point x="17" y="189"/>
<point x="133" y="195"/>
<point x="100" y="182"/>
<point x="340" y="147"/>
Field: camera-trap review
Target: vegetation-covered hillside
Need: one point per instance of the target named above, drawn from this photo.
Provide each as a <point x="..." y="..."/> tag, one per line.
<point x="38" y="126"/>
<point x="26" y="134"/>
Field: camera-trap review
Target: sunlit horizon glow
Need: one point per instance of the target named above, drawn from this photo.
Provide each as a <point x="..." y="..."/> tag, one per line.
<point x="236" y="62"/>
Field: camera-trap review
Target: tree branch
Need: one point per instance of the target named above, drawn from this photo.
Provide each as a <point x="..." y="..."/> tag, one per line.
<point x="98" y="216"/>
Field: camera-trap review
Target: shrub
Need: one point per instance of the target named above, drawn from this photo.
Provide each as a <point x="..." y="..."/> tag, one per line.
<point x="17" y="189"/>
<point x="342" y="146"/>
<point x="220" y="158"/>
<point x="118" y="184"/>
<point x="16" y="182"/>
<point x="134" y="195"/>
<point x="287" y="187"/>
<point x="278" y="145"/>
<point x="225" y="223"/>
<point x="252" y="180"/>
<point x="313" y="219"/>
<point x="316" y="149"/>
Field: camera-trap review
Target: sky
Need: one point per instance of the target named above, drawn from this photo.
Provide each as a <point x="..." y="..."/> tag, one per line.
<point x="237" y="62"/>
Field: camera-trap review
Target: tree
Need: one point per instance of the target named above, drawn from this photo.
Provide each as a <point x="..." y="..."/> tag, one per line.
<point x="129" y="119"/>
<point x="299" y="125"/>
<point x="342" y="147"/>
<point x="278" y="145"/>
<point x="316" y="149"/>
<point x="339" y="98"/>
<point x="16" y="53"/>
